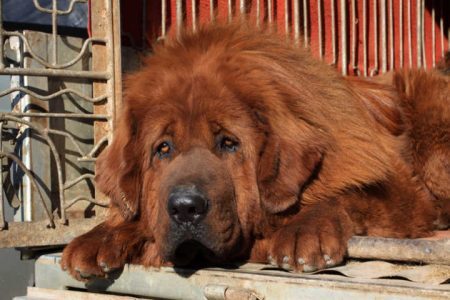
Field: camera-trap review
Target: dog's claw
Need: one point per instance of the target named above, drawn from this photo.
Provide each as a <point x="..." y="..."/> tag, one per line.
<point x="285" y="264"/>
<point x="309" y="268"/>
<point x="104" y="267"/>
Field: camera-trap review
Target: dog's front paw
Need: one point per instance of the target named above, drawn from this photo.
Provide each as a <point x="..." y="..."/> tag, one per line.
<point x="99" y="252"/>
<point x="309" y="246"/>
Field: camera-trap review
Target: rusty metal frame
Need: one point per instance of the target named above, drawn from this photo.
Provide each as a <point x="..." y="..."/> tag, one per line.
<point x="105" y="75"/>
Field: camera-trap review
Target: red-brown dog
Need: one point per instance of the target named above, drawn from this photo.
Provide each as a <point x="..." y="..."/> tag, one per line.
<point x="233" y="145"/>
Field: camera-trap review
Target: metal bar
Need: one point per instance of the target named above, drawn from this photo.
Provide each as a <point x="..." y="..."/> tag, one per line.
<point x="433" y="34"/>
<point x="194" y="15"/>
<point x="410" y="59"/>
<point x="400" y="20"/>
<point x="320" y="29"/>
<point x="54" y="32"/>
<point x="212" y="15"/>
<point x="354" y="38"/>
<point x="296" y="21"/>
<point x="58" y="115"/>
<point x="2" y="200"/>
<point x="258" y="13"/>
<point x="419" y="33"/>
<point x="365" y="37"/>
<point x="375" y="38"/>
<point x="305" y="23"/>
<point x="391" y="36"/>
<point x="383" y="36"/>
<point x="56" y="73"/>
<point x="269" y="11"/>
<point x="67" y="135"/>
<point x="59" y="12"/>
<point x="33" y="183"/>
<point x="333" y="33"/>
<point x="424" y="49"/>
<point x="71" y="183"/>
<point x="163" y="17"/>
<point x="2" y="65"/>
<point x="54" y="95"/>
<point x="286" y="18"/>
<point x="441" y="26"/>
<point x="230" y="11"/>
<point x="242" y="7"/>
<point x="83" y="156"/>
<point x="89" y="156"/>
<point x="179" y="16"/>
<point x="343" y="6"/>
<point x="83" y="198"/>
<point x="114" y="63"/>
<point x="54" y="65"/>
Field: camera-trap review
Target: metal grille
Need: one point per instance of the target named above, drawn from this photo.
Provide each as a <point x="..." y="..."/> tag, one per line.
<point x="63" y="97"/>
<point x="367" y="37"/>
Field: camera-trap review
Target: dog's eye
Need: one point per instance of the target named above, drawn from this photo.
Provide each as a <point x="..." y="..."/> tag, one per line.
<point x="163" y="150"/>
<point x="229" y="145"/>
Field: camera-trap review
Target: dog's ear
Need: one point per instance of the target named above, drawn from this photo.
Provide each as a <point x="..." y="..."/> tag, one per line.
<point x="117" y="168"/>
<point x="285" y="169"/>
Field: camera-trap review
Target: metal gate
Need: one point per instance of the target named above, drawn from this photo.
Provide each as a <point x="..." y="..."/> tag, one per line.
<point x="63" y="97"/>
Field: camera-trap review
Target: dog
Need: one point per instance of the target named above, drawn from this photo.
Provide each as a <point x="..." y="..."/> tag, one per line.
<point x="233" y="145"/>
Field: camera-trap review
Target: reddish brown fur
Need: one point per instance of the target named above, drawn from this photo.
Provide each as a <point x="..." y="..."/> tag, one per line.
<point x="425" y="101"/>
<point x="320" y="158"/>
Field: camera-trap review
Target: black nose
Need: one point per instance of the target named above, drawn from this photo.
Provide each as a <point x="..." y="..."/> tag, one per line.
<point x="187" y="205"/>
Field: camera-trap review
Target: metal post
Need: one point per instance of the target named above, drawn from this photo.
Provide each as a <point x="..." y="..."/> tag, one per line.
<point x="354" y="38"/>
<point x="400" y="20"/>
<point x="320" y="29"/>
<point x="343" y="7"/>
<point x="163" y="17"/>
<point x="410" y="59"/>
<point x="2" y="201"/>
<point x="1" y="35"/>
<point x="424" y="49"/>
<point x="365" y="37"/>
<point x="286" y="18"/>
<point x="194" y="15"/>
<point x="296" y="21"/>
<point x="419" y="33"/>
<point x="375" y="38"/>
<point x="305" y="23"/>
<point x="269" y="11"/>
<point x="383" y="36"/>
<point x="54" y="30"/>
<point x="179" y="16"/>
<point x="433" y="34"/>
<point x="333" y="32"/>
<point x="391" y="36"/>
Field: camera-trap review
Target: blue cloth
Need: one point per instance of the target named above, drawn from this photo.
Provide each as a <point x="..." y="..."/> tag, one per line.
<point x="23" y="12"/>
